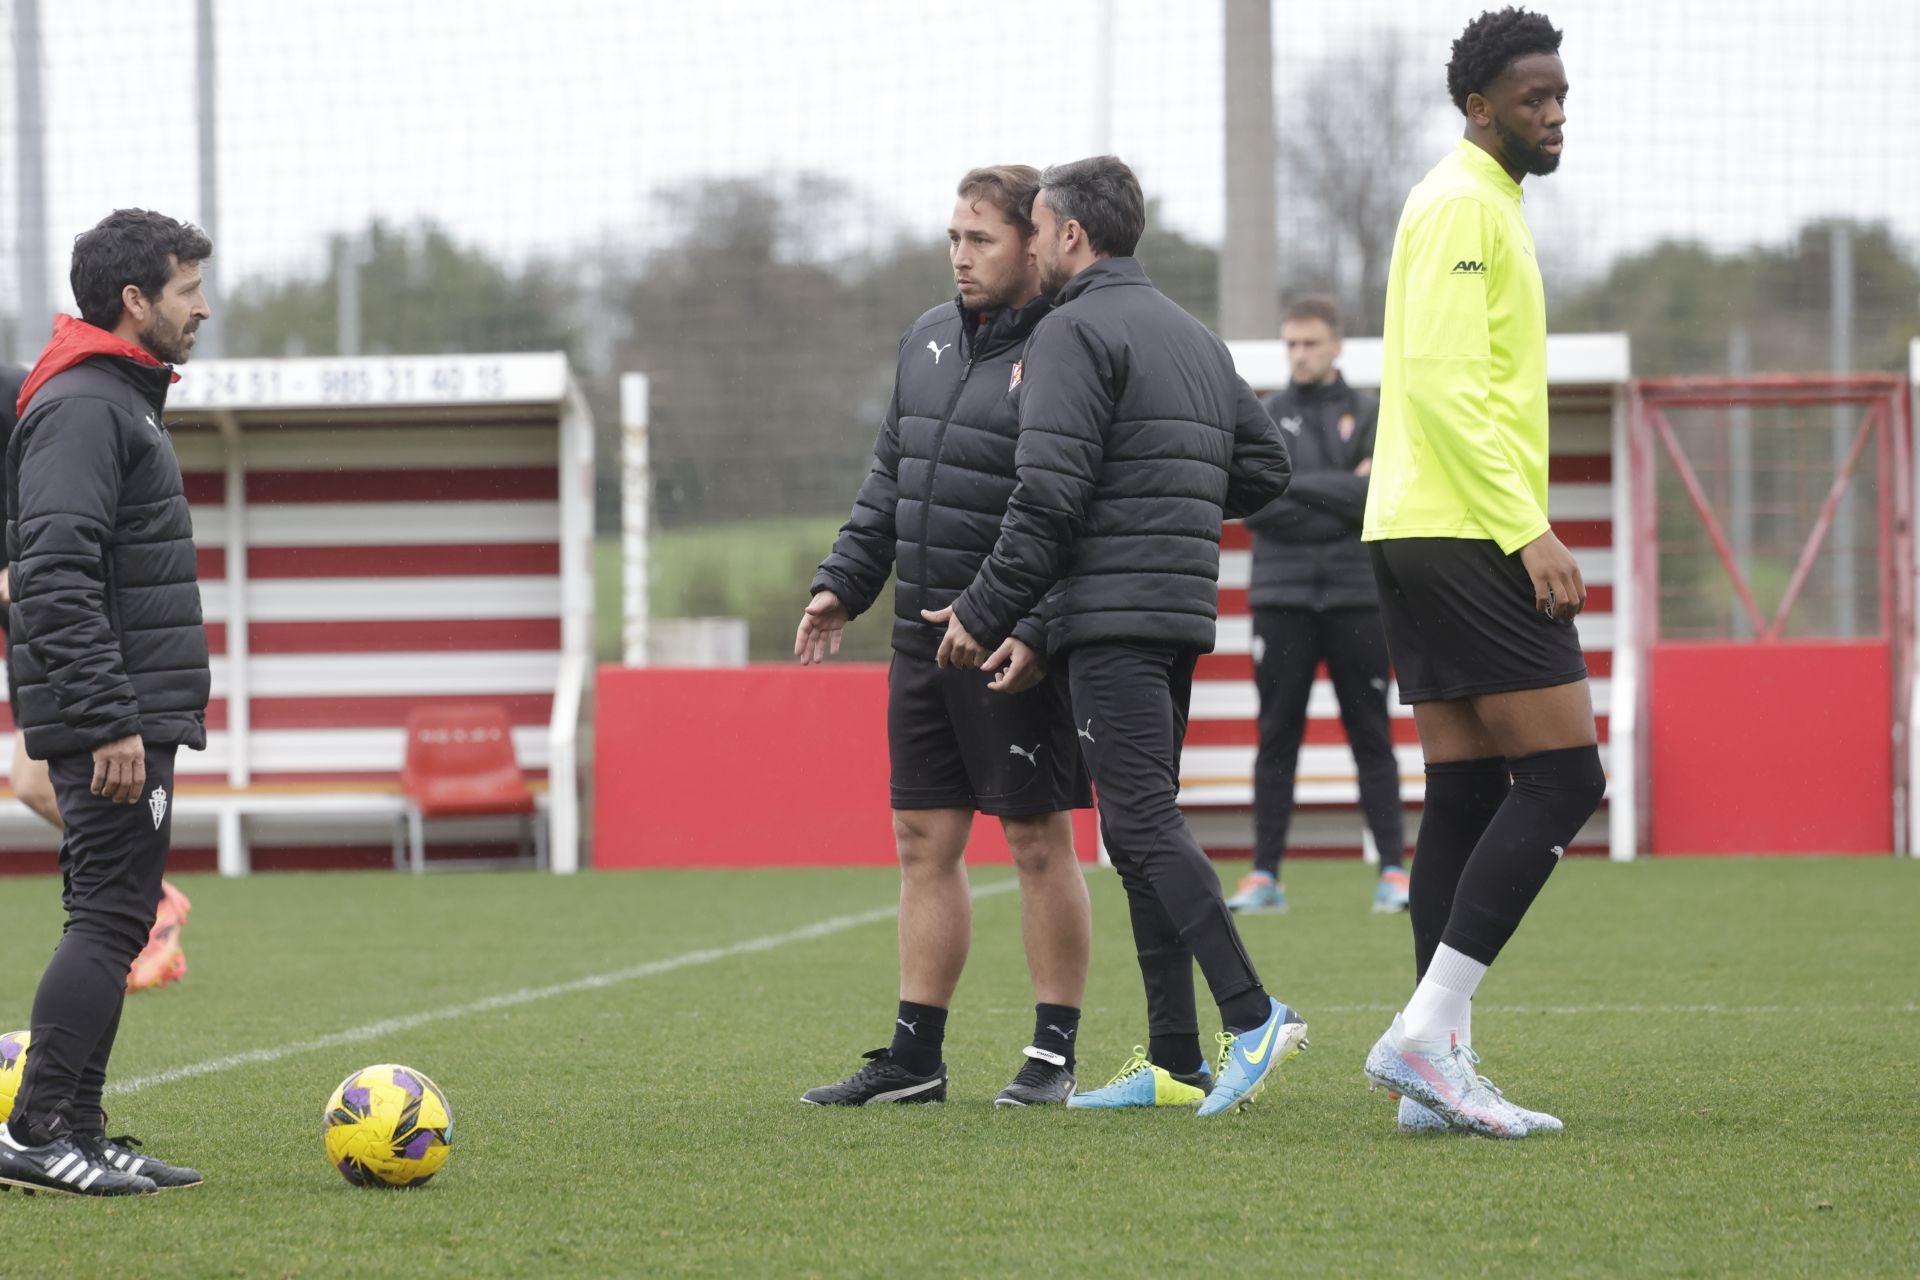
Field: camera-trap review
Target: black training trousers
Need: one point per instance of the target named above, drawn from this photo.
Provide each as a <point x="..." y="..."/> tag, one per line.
<point x="111" y="861"/>
<point x="1130" y="711"/>
<point x="1291" y="643"/>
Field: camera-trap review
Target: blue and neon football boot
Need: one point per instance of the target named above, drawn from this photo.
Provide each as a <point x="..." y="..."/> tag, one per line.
<point x="1247" y="1059"/>
<point x="1142" y="1084"/>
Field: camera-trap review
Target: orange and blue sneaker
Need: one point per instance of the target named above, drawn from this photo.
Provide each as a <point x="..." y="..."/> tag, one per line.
<point x="1141" y="1083"/>
<point x="1391" y="892"/>
<point x="1259" y="894"/>
<point x="1247" y="1059"/>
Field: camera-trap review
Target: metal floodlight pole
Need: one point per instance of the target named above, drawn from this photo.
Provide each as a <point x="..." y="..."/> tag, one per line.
<point x="1740" y="468"/>
<point x="212" y="332"/>
<point x="31" y="321"/>
<point x="1845" y="568"/>
<point x="636" y="515"/>
<point x="1249" y="255"/>
<point x="1103" y="44"/>
<point x="348" y="254"/>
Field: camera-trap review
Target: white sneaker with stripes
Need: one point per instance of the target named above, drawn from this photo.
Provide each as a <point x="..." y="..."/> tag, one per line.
<point x="60" y="1166"/>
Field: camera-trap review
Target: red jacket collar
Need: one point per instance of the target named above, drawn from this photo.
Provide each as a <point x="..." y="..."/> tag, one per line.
<point x="75" y="341"/>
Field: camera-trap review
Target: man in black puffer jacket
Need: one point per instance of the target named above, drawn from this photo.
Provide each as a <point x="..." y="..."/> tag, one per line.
<point x="108" y="669"/>
<point x="1314" y="600"/>
<point x="1136" y="439"/>
<point x="930" y="509"/>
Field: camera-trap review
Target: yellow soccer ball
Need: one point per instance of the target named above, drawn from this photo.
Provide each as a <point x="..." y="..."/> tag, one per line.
<point x="13" y="1067"/>
<point x="388" y="1126"/>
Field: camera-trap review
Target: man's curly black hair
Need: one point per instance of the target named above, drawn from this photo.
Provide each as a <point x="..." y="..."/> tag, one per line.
<point x="1489" y="46"/>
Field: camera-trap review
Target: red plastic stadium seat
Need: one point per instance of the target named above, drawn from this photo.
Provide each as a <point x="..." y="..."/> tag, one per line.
<point x="460" y="764"/>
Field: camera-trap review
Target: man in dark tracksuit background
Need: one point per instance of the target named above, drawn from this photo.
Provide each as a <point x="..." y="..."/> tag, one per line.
<point x="1314" y="600"/>
<point x="1136" y="438"/>
<point x="108" y="668"/>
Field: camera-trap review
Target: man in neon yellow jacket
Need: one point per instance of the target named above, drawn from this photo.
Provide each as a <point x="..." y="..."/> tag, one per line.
<point x="1478" y="595"/>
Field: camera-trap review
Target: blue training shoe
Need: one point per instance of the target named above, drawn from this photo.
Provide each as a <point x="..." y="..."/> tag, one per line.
<point x="1247" y="1059"/>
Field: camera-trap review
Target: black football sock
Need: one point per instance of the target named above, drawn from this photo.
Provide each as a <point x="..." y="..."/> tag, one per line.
<point x="1178" y="1054"/>
<point x="1246" y="1011"/>
<point x="1055" y="1026"/>
<point x="1462" y="797"/>
<point x="1553" y="795"/>
<point x="918" y="1031"/>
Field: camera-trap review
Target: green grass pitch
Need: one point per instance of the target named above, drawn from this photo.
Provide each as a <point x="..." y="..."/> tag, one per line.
<point x="1734" y="1045"/>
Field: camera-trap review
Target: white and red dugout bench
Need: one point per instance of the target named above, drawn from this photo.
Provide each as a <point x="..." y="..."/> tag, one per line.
<point x="376" y="534"/>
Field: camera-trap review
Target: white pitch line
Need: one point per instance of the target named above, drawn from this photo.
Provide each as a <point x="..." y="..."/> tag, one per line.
<point x="526" y="995"/>
<point x="1596" y="1010"/>
<point x="1705" y="1010"/>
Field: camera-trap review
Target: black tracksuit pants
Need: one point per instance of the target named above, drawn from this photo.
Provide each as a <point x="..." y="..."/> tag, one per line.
<point x="1130" y="709"/>
<point x="1353" y="644"/>
<point x="111" y="861"/>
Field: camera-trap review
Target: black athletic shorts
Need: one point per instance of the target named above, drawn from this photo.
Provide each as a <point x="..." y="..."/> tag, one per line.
<point x="955" y="744"/>
<point x="1461" y="622"/>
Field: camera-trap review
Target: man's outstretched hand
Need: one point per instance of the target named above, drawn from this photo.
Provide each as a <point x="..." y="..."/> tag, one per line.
<point x="821" y="627"/>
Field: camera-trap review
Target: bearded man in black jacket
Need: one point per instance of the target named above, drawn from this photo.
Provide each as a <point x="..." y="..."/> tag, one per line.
<point x="108" y="668"/>
<point x="1137" y="438"/>
<point x="929" y="509"/>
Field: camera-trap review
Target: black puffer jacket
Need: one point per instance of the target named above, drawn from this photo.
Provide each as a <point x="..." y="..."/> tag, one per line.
<point x="12" y="377"/>
<point x="1136" y="436"/>
<point x="108" y="638"/>
<point x="942" y="471"/>
<point x="1306" y="546"/>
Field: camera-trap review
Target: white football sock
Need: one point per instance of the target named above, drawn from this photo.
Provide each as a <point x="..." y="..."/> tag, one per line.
<point x="1442" y="1004"/>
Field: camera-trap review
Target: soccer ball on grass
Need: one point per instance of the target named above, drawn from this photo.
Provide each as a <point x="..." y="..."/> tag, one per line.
<point x="388" y="1126"/>
<point x="13" y="1067"/>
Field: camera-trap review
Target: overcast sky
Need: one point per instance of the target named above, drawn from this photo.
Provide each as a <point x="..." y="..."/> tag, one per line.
<point x="540" y="127"/>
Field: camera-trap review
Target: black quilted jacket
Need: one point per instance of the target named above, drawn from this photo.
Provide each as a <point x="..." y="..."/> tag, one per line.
<point x="942" y="470"/>
<point x="107" y="634"/>
<point x="1136" y="438"/>
<point x="1306" y="546"/>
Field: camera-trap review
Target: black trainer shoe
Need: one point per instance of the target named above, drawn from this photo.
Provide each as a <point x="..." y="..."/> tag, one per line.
<point x="62" y="1167"/>
<point x="1043" y="1078"/>
<point x="881" y="1080"/>
<point x="117" y="1153"/>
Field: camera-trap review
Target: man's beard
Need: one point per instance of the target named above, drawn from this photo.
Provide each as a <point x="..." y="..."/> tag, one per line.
<point x="1532" y="159"/>
<point x="992" y="298"/>
<point x="171" y="346"/>
<point x="1052" y="278"/>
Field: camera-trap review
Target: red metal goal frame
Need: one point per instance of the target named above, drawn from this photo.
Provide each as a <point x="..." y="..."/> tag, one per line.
<point x="1884" y="433"/>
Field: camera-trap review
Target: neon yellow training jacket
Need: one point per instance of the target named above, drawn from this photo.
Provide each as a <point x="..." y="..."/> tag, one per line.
<point x="1462" y="446"/>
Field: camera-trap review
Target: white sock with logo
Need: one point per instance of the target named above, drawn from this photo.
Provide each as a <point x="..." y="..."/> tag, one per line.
<point x="1442" y="1004"/>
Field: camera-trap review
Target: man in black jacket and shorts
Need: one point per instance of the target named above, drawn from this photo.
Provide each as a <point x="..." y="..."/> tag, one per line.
<point x="930" y="507"/>
<point x="108" y="667"/>
<point x="1136" y="439"/>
